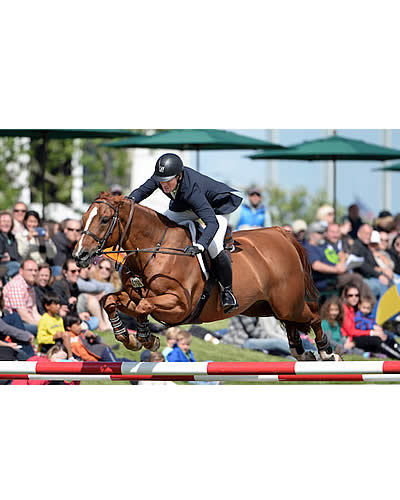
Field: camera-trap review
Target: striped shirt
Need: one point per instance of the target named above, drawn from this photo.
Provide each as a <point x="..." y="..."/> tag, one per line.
<point x="19" y="295"/>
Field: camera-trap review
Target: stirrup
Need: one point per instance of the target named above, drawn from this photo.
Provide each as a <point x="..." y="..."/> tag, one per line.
<point x="229" y="304"/>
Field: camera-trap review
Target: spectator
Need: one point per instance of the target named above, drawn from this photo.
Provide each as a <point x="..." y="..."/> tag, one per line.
<point x="52" y="227"/>
<point x="299" y="230"/>
<point x="394" y="252"/>
<point x="87" y="284"/>
<point x="86" y="305"/>
<point x="19" y="211"/>
<point x="43" y="286"/>
<point x="353" y="215"/>
<point x="325" y="215"/>
<point x="65" y="241"/>
<point x="156" y="357"/>
<point x="332" y="318"/>
<point x="8" y="245"/>
<point x="116" y="190"/>
<point x="51" y="327"/>
<point x="181" y="351"/>
<point x="104" y="272"/>
<point x="86" y="345"/>
<point x="252" y="213"/>
<point x="19" y="295"/>
<point x="384" y="261"/>
<point x="256" y="334"/>
<point x="171" y="339"/>
<point x="34" y="242"/>
<point x="375" y="278"/>
<point x="372" y="340"/>
<point x="346" y="241"/>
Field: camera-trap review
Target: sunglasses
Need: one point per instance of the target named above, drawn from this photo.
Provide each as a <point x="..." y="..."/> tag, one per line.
<point x="73" y="271"/>
<point x="105" y="267"/>
<point x="72" y="229"/>
<point x="353" y="295"/>
<point x="19" y="210"/>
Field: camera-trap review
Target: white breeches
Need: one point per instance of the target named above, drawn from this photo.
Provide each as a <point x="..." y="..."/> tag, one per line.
<point x="217" y="244"/>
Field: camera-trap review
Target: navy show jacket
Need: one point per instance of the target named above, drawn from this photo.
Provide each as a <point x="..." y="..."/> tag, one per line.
<point x="199" y="193"/>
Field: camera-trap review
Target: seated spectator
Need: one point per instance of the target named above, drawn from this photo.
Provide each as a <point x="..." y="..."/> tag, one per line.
<point x="156" y="357"/>
<point x="250" y="333"/>
<point x="52" y="227"/>
<point x="65" y="242"/>
<point x="394" y="252"/>
<point x="86" y="345"/>
<point x="325" y="215"/>
<point x="181" y="351"/>
<point x="19" y="211"/>
<point x="384" y="221"/>
<point x="19" y="295"/>
<point x="85" y="305"/>
<point x="171" y="339"/>
<point x="51" y="327"/>
<point x="328" y="265"/>
<point x="299" y="230"/>
<point x="384" y="262"/>
<point x="87" y="284"/>
<point x="373" y="340"/>
<point x="104" y="271"/>
<point x="376" y="279"/>
<point x="34" y="242"/>
<point x="9" y="255"/>
<point x="43" y="286"/>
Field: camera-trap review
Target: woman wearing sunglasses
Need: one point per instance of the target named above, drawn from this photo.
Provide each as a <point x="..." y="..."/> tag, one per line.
<point x="374" y="340"/>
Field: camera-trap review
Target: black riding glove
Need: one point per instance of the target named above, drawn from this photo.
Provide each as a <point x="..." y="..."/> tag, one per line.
<point x="194" y="250"/>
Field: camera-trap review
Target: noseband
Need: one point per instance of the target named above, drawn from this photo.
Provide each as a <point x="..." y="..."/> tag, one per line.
<point x="111" y="227"/>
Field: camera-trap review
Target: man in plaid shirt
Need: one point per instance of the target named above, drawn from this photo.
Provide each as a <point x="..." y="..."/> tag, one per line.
<point x="19" y="295"/>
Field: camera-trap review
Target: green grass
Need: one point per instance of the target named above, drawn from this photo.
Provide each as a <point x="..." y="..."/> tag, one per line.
<point x="205" y="351"/>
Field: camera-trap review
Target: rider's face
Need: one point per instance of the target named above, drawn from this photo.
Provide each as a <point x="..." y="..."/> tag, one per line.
<point x="169" y="186"/>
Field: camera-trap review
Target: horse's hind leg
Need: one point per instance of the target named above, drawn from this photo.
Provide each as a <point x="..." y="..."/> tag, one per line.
<point x="296" y="344"/>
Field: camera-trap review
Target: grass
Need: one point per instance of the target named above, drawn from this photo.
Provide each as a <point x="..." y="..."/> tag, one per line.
<point x="205" y="351"/>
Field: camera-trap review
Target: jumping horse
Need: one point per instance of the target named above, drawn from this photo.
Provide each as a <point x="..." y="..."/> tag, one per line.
<point x="271" y="275"/>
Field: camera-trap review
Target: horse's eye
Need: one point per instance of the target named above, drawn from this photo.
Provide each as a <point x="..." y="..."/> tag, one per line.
<point x="104" y="220"/>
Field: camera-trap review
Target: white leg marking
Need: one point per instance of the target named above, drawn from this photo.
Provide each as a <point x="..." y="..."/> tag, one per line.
<point x="93" y="214"/>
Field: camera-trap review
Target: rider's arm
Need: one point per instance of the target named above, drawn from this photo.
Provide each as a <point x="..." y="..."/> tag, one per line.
<point x="144" y="191"/>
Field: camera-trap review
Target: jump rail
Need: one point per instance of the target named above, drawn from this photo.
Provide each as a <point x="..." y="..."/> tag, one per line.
<point x="207" y="368"/>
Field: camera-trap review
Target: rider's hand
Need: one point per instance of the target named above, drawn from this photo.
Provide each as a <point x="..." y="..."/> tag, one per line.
<point x="194" y="250"/>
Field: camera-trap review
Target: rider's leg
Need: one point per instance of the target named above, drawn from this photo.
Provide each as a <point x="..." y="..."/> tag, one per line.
<point x="221" y="266"/>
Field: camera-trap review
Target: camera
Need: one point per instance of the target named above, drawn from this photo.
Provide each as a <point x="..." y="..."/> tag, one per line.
<point x="40" y="231"/>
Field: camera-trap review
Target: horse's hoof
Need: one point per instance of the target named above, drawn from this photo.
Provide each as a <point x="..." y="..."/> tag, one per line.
<point x="130" y="342"/>
<point x="310" y="356"/>
<point x="153" y="344"/>
<point x="330" y="357"/>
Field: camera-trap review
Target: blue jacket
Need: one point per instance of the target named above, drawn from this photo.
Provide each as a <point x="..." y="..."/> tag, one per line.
<point x="253" y="217"/>
<point x="197" y="192"/>
<point x="178" y="355"/>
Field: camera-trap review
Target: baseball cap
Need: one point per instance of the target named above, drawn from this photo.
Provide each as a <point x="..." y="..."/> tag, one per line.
<point x="375" y="237"/>
<point x="316" y="227"/>
<point x="299" y="225"/>
<point x="116" y="188"/>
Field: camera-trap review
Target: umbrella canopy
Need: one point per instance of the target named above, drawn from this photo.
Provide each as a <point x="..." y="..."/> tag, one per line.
<point x="331" y="148"/>
<point x="390" y="168"/>
<point x="194" y="139"/>
<point x="46" y="134"/>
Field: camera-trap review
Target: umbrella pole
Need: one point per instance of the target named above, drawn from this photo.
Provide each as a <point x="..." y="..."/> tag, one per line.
<point x="198" y="160"/>
<point x="334" y="190"/>
<point x="42" y="163"/>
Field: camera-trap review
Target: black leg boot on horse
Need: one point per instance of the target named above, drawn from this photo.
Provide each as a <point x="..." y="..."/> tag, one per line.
<point x="222" y="268"/>
<point x="145" y="337"/>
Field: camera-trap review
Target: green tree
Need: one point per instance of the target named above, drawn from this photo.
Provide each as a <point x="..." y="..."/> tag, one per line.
<point x="12" y="152"/>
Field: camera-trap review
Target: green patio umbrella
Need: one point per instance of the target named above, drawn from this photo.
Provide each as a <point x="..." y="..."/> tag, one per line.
<point x="389" y="168"/>
<point x="194" y="139"/>
<point x="47" y="134"/>
<point x="331" y="148"/>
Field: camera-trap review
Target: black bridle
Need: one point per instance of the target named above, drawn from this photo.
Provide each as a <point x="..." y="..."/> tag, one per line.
<point x="115" y="219"/>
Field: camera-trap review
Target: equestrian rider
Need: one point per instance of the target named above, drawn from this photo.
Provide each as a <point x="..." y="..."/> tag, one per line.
<point x="195" y="196"/>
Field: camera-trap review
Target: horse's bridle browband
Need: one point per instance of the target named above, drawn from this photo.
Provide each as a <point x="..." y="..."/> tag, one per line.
<point x="111" y="227"/>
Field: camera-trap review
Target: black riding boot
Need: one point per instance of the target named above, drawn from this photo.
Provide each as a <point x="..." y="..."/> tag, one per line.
<point x="222" y="269"/>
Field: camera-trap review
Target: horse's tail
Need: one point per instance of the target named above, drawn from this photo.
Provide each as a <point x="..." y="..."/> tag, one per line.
<point x="311" y="291"/>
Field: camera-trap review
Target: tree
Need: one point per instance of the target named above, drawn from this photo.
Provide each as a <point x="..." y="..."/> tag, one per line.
<point x="13" y="160"/>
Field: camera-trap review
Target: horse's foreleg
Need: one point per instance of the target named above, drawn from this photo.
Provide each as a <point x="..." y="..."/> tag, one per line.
<point x="111" y="303"/>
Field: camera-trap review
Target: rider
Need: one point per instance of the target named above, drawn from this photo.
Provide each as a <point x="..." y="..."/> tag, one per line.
<point x="196" y="196"/>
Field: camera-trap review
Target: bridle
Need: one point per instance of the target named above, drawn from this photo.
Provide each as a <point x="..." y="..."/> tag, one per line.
<point x="115" y="219"/>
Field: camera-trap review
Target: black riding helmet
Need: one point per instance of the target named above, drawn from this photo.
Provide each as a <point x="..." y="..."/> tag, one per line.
<point x="167" y="167"/>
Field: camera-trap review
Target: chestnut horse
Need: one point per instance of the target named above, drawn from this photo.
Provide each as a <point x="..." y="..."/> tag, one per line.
<point x="271" y="275"/>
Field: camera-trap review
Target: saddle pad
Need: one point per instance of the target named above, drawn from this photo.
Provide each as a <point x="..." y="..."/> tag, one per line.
<point x="192" y="229"/>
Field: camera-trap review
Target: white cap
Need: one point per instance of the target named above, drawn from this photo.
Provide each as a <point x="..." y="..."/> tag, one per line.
<point x="375" y="237"/>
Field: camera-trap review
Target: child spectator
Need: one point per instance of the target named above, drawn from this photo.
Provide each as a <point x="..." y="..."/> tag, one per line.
<point x="156" y="357"/>
<point x="86" y="345"/>
<point x="332" y="319"/>
<point x="181" y="351"/>
<point x="51" y="326"/>
<point x="170" y="337"/>
<point x="363" y="318"/>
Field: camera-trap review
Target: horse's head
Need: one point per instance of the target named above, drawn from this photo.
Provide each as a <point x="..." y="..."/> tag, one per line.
<point x="101" y="228"/>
